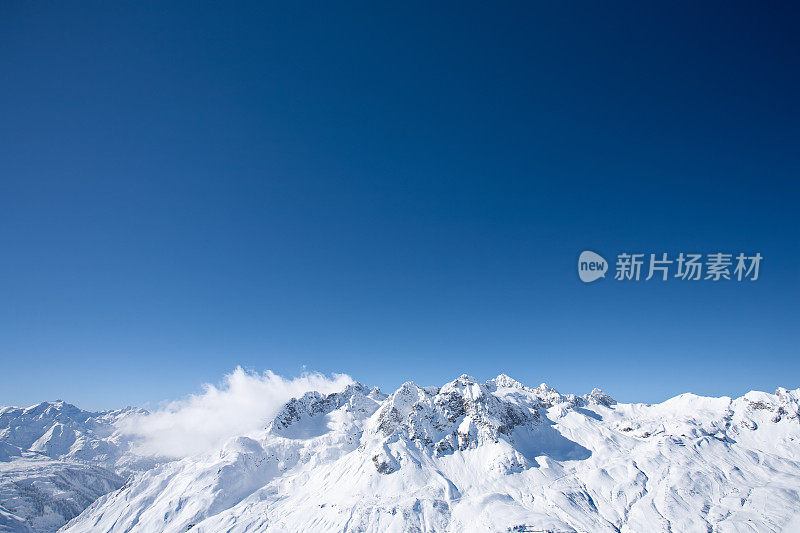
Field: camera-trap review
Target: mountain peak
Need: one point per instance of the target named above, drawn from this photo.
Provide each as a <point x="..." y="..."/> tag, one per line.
<point x="597" y="396"/>
<point x="480" y="456"/>
<point x="504" y="380"/>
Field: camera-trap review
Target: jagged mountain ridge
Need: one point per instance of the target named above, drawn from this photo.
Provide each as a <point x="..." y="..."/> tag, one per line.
<point x="482" y="456"/>
<point x="59" y="430"/>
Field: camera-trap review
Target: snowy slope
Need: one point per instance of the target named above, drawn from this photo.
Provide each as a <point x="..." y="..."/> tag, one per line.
<point x="483" y="456"/>
<point x="41" y="495"/>
<point x="56" y="459"/>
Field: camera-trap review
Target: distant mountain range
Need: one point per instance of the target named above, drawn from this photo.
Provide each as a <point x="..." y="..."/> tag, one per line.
<point x="467" y="456"/>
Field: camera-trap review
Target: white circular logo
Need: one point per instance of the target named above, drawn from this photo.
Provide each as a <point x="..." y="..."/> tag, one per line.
<point x="591" y="266"/>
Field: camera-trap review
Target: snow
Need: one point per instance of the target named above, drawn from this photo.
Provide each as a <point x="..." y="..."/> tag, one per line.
<point x="56" y="459"/>
<point x="467" y="456"/>
<point x="40" y="495"/>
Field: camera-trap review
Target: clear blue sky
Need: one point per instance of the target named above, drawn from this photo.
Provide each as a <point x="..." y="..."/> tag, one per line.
<point x="398" y="193"/>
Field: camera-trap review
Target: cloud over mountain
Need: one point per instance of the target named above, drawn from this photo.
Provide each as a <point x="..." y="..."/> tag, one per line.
<point x="244" y="402"/>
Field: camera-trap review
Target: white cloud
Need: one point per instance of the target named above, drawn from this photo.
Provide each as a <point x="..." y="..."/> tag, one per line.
<point x="244" y="402"/>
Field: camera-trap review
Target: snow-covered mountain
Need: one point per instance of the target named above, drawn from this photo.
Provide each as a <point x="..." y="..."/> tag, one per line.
<point x="56" y="459"/>
<point x="471" y="456"/>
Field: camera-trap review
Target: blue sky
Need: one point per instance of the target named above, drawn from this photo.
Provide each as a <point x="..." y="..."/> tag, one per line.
<point x="397" y="193"/>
